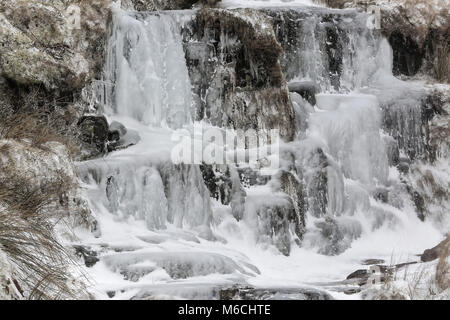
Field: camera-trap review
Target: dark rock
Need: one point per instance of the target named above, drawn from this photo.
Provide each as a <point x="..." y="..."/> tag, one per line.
<point x="93" y="135"/>
<point x="357" y="274"/>
<point x="419" y="203"/>
<point x="382" y="194"/>
<point x="434" y="253"/>
<point x="403" y="167"/>
<point x="407" y="54"/>
<point x="89" y="256"/>
<point x="111" y="294"/>
<point x="317" y="184"/>
<point x="248" y="293"/>
<point x="130" y="138"/>
<point x="352" y="291"/>
<point x="117" y="126"/>
<point x="239" y="82"/>
<point x="218" y="180"/>
<point x="296" y="191"/>
<point x="306" y="89"/>
<point x="250" y="177"/>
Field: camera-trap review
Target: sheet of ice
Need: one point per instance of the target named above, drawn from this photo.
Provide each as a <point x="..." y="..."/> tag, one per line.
<point x="146" y="63"/>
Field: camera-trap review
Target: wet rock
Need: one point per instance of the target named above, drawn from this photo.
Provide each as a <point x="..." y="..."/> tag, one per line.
<point x="93" y="135"/>
<point x="407" y="54"/>
<point x="419" y="203"/>
<point x="434" y="253"/>
<point x="116" y="131"/>
<point x="306" y="89"/>
<point x="89" y="256"/>
<point x="407" y="119"/>
<point x="130" y="138"/>
<point x="382" y="194"/>
<point x="242" y="86"/>
<point x="249" y="293"/>
<point x="217" y="179"/>
<point x="403" y="167"/>
<point x="317" y="184"/>
<point x="292" y="187"/>
<point x="250" y="177"/>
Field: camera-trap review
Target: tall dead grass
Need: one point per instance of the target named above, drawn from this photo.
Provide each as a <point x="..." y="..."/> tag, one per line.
<point x="31" y="206"/>
<point x="28" y="214"/>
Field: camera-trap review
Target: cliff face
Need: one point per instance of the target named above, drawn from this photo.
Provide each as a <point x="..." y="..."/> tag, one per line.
<point x="418" y="31"/>
<point x="233" y="58"/>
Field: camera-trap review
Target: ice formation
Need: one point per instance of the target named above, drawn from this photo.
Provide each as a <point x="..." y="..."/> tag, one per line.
<point x="336" y="198"/>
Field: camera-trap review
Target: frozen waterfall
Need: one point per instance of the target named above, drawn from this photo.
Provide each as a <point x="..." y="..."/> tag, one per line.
<point x="189" y="230"/>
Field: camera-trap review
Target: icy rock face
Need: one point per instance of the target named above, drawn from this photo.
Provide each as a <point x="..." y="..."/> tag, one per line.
<point x="232" y="57"/>
<point x="218" y="180"/>
<point x="416" y="31"/>
<point x="326" y="47"/>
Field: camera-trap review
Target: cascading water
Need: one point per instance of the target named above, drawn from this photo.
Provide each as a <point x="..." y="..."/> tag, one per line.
<point x="166" y="230"/>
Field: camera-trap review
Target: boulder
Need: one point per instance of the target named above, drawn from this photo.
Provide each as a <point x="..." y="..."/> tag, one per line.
<point x="119" y="137"/>
<point x="94" y="132"/>
<point x="89" y="256"/>
<point x="307" y="89"/>
<point x="435" y="252"/>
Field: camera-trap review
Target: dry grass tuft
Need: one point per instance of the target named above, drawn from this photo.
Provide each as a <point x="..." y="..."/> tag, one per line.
<point x="28" y="213"/>
<point x="37" y="127"/>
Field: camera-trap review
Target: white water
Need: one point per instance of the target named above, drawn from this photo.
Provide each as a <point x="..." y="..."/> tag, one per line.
<point x="161" y="233"/>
